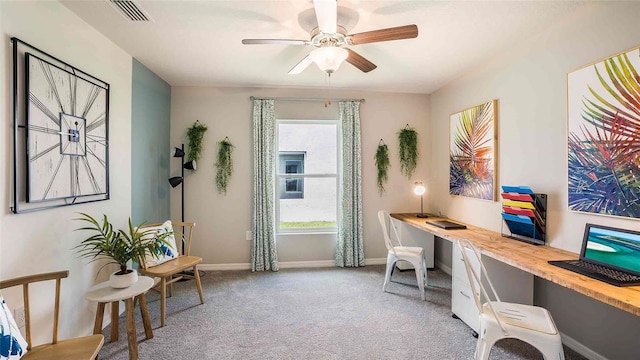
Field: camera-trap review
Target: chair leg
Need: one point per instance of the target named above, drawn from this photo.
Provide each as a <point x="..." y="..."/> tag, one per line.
<point x="486" y="339"/>
<point x="196" y="275"/>
<point x="391" y="263"/>
<point x="163" y="299"/>
<point x="420" y="279"/>
<point x="424" y="268"/>
<point x="171" y="288"/>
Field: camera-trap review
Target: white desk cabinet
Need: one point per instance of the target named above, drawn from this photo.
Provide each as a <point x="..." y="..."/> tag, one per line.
<point x="511" y="284"/>
<point x="412" y="236"/>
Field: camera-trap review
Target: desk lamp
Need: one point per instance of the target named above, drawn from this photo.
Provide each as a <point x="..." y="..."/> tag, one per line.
<point x="419" y="189"/>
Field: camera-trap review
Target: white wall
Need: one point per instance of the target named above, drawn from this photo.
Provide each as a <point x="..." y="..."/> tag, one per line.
<point x="530" y="83"/>
<point x="42" y="241"/>
<point x="223" y="220"/>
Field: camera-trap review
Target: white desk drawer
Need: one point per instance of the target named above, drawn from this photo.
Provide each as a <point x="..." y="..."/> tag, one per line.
<point x="457" y="263"/>
<point x="463" y="305"/>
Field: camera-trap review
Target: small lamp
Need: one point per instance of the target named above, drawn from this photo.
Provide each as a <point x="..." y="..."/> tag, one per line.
<point x="419" y="189"/>
<point x="175" y="181"/>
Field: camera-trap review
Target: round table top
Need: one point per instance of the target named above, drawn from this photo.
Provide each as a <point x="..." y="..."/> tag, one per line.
<point x="104" y="293"/>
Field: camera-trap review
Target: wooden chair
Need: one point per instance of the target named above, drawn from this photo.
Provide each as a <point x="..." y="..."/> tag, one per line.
<point x="174" y="270"/>
<point x="82" y="348"/>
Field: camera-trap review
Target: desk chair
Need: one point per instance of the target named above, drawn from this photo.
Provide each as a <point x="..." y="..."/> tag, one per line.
<point x="81" y="348"/>
<point x="414" y="255"/>
<point x="174" y="270"/>
<point x="500" y="320"/>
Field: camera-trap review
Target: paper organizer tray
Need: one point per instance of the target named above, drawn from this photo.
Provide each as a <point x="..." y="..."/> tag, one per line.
<point x="524" y="214"/>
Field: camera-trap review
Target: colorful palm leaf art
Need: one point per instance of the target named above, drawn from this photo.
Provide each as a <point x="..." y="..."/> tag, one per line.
<point x="603" y="155"/>
<point x="471" y="171"/>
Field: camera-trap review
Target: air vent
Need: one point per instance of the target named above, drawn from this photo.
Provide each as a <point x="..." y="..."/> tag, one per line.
<point x="131" y="10"/>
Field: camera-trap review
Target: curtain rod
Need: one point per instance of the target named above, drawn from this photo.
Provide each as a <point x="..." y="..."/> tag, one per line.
<point x="301" y="99"/>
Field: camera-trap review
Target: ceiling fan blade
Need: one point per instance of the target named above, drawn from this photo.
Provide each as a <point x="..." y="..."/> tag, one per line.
<point x="360" y="62"/>
<point x="395" y="33"/>
<point x="274" y="41"/>
<point x="300" y="66"/>
<point x="327" y="15"/>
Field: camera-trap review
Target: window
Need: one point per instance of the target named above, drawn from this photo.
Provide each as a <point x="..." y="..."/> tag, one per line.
<point x="291" y="163"/>
<point x="308" y="183"/>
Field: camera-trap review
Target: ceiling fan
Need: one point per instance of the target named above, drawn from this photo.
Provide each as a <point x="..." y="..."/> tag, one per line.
<point x="330" y="40"/>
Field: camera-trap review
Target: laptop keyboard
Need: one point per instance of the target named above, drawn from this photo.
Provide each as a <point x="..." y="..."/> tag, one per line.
<point x="611" y="273"/>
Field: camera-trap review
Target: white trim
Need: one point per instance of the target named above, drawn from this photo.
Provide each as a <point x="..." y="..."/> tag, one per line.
<point x="580" y="348"/>
<point x="442" y="266"/>
<point x="285" y="265"/>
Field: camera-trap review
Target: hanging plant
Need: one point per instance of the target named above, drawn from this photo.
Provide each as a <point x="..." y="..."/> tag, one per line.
<point x="195" y="136"/>
<point x="382" y="164"/>
<point x="224" y="164"/>
<point x="408" y="144"/>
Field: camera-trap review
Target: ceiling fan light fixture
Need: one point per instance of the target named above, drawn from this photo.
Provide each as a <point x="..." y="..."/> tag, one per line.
<point x="329" y="58"/>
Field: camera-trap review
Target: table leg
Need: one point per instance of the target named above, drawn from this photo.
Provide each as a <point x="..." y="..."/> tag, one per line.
<point x="144" y="312"/>
<point x="97" y="327"/>
<point x="131" y="330"/>
<point x="115" y="320"/>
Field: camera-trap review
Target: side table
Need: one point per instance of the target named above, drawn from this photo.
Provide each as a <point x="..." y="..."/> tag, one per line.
<point x="103" y="293"/>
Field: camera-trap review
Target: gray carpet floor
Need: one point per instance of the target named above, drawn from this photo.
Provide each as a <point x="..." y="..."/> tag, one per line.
<point x="326" y="313"/>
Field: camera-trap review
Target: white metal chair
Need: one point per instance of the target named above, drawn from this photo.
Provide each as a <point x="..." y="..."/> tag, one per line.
<point x="414" y="255"/>
<point x="500" y="320"/>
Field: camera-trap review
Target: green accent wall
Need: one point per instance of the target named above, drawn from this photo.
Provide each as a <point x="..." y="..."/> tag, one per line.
<point x="150" y="124"/>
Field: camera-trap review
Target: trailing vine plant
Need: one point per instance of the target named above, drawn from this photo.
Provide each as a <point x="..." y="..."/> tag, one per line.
<point x="195" y="137"/>
<point x="382" y="165"/>
<point x="408" y="150"/>
<point x="224" y="164"/>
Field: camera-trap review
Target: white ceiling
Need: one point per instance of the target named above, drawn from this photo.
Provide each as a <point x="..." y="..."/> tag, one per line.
<point x="198" y="43"/>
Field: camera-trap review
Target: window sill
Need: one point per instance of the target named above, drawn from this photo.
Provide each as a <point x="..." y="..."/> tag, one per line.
<point x="298" y="233"/>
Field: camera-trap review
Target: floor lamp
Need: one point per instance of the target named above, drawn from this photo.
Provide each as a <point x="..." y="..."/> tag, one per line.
<point x="177" y="180"/>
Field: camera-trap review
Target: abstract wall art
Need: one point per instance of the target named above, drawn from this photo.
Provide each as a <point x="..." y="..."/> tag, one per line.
<point x="603" y="130"/>
<point x="472" y="151"/>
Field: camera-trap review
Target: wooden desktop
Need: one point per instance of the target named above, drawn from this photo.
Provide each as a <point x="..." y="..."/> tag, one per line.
<point x="533" y="259"/>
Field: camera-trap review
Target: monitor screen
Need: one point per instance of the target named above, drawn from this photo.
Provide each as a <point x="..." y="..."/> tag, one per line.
<point x="617" y="248"/>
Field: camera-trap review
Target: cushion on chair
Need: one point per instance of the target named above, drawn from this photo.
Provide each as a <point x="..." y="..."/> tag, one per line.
<point x="169" y="252"/>
<point x="12" y="344"/>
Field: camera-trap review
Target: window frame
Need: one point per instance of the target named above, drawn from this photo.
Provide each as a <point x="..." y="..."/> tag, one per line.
<point x="337" y="176"/>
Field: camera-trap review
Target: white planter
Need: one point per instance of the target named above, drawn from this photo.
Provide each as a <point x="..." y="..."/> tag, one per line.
<point x="123" y="281"/>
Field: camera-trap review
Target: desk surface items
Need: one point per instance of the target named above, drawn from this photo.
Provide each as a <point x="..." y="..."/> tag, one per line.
<point x="524" y="213"/>
<point x="103" y="293"/>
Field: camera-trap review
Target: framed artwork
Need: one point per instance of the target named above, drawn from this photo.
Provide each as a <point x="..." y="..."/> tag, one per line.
<point x="603" y="136"/>
<point x="61" y="132"/>
<point x="472" y="151"/>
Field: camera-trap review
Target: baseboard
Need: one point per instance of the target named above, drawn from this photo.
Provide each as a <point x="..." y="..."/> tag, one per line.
<point x="442" y="266"/>
<point x="581" y="348"/>
<point x="286" y="264"/>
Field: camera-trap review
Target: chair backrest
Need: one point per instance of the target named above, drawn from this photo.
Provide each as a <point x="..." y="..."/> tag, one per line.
<point x="24" y="282"/>
<point x="470" y="254"/>
<point x="382" y="217"/>
<point x="182" y="231"/>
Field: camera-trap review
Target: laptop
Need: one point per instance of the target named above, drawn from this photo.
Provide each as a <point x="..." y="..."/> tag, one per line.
<point x="608" y="254"/>
<point x="444" y="224"/>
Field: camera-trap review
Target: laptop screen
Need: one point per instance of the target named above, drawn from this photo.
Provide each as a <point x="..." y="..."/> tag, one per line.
<point x="617" y="248"/>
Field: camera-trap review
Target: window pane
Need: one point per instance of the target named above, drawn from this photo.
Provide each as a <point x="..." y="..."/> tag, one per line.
<point x="316" y="209"/>
<point x="312" y="148"/>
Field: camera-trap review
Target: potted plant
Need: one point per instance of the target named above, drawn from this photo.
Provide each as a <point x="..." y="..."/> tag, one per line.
<point x="195" y="137"/>
<point x="408" y="150"/>
<point x="224" y="164"/>
<point x="119" y="247"/>
<point x="382" y="165"/>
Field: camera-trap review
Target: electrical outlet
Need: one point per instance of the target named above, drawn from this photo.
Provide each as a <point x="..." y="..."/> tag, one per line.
<point x="18" y="315"/>
<point x="247" y="236"/>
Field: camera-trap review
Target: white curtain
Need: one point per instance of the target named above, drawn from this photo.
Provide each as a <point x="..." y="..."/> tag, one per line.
<point x="350" y="249"/>
<point x="263" y="247"/>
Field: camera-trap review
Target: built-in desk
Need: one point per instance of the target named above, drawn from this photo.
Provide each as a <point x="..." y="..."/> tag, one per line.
<point x="533" y="259"/>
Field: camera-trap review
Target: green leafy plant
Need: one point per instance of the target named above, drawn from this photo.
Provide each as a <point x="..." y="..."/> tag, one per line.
<point x="224" y="164"/>
<point x="195" y="137"/>
<point x="382" y="165"/>
<point x="408" y="150"/>
<point x="118" y="246"/>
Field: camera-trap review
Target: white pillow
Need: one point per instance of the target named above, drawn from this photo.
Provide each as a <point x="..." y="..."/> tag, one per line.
<point x="12" y="344"/>
<point x="169" y="252"/>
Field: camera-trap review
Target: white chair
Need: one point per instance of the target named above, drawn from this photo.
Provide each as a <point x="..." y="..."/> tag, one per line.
<point x="414" y="255"/>
<point x="500" y="320"/>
